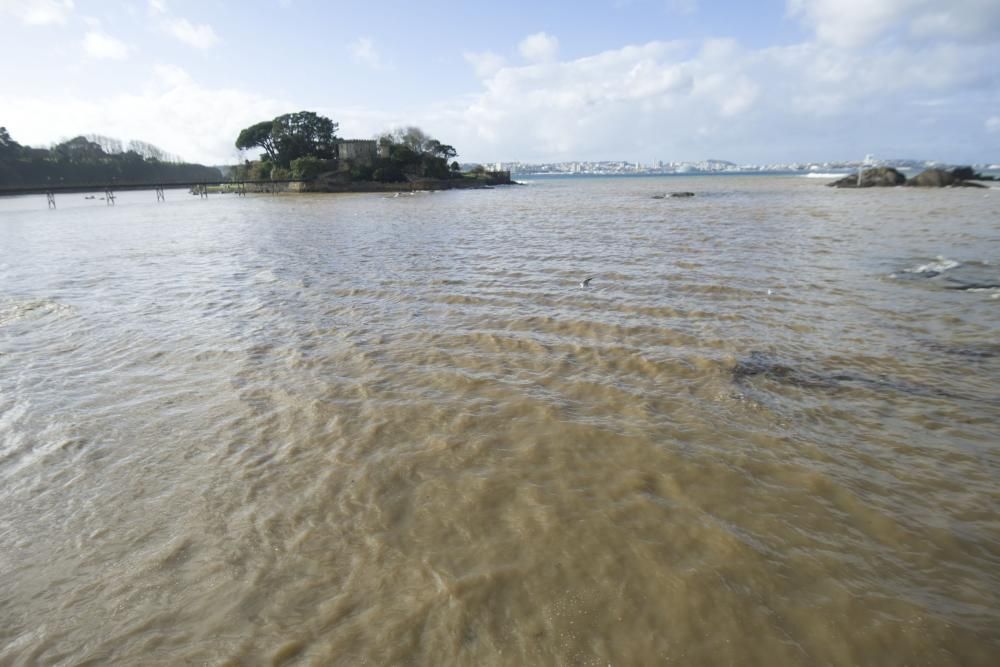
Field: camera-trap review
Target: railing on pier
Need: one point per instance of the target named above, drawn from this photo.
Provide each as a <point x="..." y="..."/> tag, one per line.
<point x="195" y="187"/>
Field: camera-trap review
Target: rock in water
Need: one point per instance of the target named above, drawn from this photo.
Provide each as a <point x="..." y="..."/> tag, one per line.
<point x="959" y="177"/>
<point x="932" y="178"/>
<point x="877" y="177"/>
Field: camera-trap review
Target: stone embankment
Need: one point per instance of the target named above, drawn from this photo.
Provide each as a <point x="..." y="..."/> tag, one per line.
<point x="335" y="182"/>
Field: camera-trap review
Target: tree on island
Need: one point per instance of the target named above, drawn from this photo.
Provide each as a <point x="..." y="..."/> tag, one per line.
<point x="413" y="153"/>
<point x="417" y="141"/>
<point x="292" y="136"/>
<point x="438" y="149"/>
<point x="258" y="134"/>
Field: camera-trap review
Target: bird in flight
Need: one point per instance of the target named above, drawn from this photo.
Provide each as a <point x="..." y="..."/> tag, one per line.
<point x="586" y="282"/>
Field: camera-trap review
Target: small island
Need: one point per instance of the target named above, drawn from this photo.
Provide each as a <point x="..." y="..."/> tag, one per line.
<point x="303" y="153"/>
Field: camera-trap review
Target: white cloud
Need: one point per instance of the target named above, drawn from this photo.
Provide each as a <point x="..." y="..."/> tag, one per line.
<point x="993" y="124"/>
<point x="682" y="7"/>
<point x="856" y="23"/>
<point x="364" y="52"/>
<point x="719" y="98"/>
<point x="848" y="23"/>
<point x="485" y="63"/>
<point x="38" y="12"/>
<point x="173" y="111"/>
<point x="587" y="105"/>
<point x="173" y="76"/>
<point x="101" y="46"/>
<point x="959" y="19"/>
<point x="539" y="47"/>
<point x="198" y="35"/>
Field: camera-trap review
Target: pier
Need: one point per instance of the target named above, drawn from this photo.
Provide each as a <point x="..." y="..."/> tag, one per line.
<point x="159" y="189"/>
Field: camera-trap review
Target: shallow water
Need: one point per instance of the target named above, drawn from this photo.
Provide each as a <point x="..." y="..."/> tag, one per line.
<point x="397" y="431"/>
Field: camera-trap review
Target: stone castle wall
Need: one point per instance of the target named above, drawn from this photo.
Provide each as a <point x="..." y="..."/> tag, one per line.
<point x="358" y="150"/>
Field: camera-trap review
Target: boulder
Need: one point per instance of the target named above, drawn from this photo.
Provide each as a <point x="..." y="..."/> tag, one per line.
<point x="959" y="177"/>
<point x="682" y="194"/>
<point x="964" y="174"/>
<point x="964" y="177"/>
<point x="933" y="178"/>
<point x="877" y="177"/>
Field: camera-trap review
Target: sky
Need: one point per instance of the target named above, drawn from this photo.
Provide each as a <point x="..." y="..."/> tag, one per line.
<point x="767" y="81"/>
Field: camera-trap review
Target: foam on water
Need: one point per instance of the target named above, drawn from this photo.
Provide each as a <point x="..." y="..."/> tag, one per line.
<point x="28" y="309"/>
<point x="939" y="265"/>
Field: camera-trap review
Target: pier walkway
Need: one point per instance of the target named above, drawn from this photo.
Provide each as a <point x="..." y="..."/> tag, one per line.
<point x="109" y="189"/>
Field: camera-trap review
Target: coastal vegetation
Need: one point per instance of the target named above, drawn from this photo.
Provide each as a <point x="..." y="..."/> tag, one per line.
<point x="93" y="159"/>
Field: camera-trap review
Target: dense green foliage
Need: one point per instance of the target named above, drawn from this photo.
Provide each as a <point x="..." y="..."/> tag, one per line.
<point x="412" y="154"/>
<point x="308" y="167"/>
<point x="292" y="136"/>
<point x="258" y="134"/>
<point x="85" y="161"/>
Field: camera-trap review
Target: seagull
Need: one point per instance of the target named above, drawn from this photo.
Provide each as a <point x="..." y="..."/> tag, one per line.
<point x="586" y="282"/>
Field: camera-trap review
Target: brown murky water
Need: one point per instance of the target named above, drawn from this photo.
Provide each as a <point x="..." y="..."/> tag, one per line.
<point x="397" y="431"/>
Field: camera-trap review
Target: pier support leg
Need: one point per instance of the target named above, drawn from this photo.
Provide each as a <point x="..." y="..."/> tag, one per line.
<point x="50" y="199"/>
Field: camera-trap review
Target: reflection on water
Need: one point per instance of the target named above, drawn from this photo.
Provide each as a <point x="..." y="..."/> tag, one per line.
<point x="369" y="430"/>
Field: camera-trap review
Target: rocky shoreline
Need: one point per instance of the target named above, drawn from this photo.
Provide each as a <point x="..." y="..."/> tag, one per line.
<point x="882" y="177"/>
<point x="335" y="183"/>
<point x="462" y="183"/>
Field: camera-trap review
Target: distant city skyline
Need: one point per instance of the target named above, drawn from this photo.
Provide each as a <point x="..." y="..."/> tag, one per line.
<point x="625" y="167"/>
<point x="642" y="80"/>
